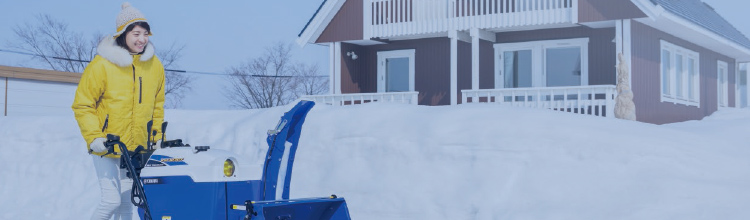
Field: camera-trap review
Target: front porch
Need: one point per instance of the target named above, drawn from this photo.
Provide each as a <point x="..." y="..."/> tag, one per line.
<point x="362" y="98"/>
<point x="597" y="100"/>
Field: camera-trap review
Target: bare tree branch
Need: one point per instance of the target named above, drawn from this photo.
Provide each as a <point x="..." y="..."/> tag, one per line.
<point x="272" y="79"/>
<point x="177" y="84"/>
<point x="54" y="44"/>
<point x="64" y="50"/>
<point x="308" y="81"/>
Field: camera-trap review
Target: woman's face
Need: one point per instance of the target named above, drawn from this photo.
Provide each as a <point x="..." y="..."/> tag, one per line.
<point x="137" y="39"/>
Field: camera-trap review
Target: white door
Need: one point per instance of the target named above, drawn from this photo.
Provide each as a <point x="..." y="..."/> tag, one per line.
<point x="396" y="71"/>
<point x="542" y="63"/>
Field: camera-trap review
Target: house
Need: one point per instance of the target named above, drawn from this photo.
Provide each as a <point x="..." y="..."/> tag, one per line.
<point x="36" y="92"/>
<point x="682" y="55"/>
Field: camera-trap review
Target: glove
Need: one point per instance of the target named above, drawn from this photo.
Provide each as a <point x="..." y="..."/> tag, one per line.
<point x="98" y="145"/>
<point x="158" y="145"/>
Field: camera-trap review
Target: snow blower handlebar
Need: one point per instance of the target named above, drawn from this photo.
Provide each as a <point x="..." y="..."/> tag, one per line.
<point x="169" y="143"/>
<point x="137" y="192"/>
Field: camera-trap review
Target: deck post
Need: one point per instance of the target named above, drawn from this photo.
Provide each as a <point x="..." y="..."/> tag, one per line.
<point x="453" y="35"/>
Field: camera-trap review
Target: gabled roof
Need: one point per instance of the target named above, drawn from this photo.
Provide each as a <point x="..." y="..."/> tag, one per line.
<point x="705" y="16"/>
<point x="311" y="18"/>
<point x="319" y="21"/>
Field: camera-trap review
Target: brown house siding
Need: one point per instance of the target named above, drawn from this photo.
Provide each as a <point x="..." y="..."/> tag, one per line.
<point x="486" y="65"/>
<point x="601" y="48"/>
<point x="352" y="81"/>
<point x="605" y="10"/>
<point x="646" y="78"/>
<point x="432" y="68"/>
<point x="345" y="25"/>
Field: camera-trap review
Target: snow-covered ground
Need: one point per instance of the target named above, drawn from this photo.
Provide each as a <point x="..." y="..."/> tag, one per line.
<point x="416" y="162"/>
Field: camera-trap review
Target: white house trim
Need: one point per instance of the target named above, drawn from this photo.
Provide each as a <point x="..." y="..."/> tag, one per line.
<point x="461" y="35"/>
<point x="651" y="10"/>
<point x="335" y="68"/>
<point x="737" y="89"/>
<point x="627" y="38"/>
<point x="332" y="66"/>
<point x="574" y="12"/>
<point x="475" y="62"/>
<point x="482" y="34"/>
<point x="477" y="34"/>
<point x="623" y="40"/>
<point x="619" y="43"/>
<point x="454" y="36"/>
<point x="366" y="20"/>
<point x="722" y="84"/>
<point x="319" y="23"/>
<point x="673" y="96"/>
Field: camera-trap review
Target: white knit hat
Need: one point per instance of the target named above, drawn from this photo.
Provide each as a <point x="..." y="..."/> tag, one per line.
<point x="127" y="16"/>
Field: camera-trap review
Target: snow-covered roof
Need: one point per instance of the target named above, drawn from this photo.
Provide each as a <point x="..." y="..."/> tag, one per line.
<point x="705" y="16"/>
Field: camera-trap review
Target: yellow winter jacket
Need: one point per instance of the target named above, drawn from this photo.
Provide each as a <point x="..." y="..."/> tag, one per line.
<point x="118" y="94"/>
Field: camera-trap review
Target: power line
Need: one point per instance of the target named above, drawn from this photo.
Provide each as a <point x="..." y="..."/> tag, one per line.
<point x="168" y="70"/>
<point x="37" y="55"/>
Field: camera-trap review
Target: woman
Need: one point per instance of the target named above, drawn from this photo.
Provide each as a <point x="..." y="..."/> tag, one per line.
<point x="119" y="92"/>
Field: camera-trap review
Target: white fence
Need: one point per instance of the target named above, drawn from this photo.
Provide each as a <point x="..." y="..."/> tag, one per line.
<point x="26" y="97"/>
<point x="389" y="18"/>
<point x="596" y="100"/>
<point x="361" y="98"/>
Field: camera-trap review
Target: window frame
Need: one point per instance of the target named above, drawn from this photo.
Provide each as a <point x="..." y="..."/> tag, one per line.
<point x="538" y="56"/>
<point x="722" y="101"/>
<point x="405" y="53"/>
<point x="685" y="87"/>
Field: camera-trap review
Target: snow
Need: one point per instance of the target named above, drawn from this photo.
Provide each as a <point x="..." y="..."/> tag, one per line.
<point x="392" y="161"/>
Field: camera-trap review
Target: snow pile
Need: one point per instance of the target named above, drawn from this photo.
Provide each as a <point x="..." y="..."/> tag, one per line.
<point x="393" y="161"/>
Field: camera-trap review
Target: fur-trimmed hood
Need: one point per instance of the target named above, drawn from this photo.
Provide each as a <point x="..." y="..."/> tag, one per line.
<point x="109" y="50"/>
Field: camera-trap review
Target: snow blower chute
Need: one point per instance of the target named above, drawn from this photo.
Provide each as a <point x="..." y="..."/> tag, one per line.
<point x="184" y="182"/>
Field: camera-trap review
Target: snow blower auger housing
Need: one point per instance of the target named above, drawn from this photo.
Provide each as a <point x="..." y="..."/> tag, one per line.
<point x="184" y="182"/>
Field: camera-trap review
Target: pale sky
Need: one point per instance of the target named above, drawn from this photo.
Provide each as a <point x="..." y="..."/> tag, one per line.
<point x="217" y="34"/>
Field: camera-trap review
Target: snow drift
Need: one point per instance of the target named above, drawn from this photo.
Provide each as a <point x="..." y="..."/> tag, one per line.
<point x="392" y="161"/>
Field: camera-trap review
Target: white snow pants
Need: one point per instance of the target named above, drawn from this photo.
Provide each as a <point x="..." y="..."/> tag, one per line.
<point x="116" y="187"/>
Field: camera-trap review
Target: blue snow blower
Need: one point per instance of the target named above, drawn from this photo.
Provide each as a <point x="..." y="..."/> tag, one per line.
<point x="183" y="182"/>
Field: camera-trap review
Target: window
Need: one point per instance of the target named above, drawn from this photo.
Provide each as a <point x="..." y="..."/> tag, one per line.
<point x="680" y="76"/>
<point x="722" y="81"/>
<point x="542" y="63"/>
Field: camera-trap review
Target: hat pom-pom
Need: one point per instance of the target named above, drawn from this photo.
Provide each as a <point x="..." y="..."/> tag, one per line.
<point x="125" y="5"/>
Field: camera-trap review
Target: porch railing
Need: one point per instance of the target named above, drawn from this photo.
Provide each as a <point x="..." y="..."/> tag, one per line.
<point x="361" y="98"/>
<point x="389" y="18"/>
<point x="596" y="100"/>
